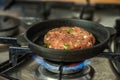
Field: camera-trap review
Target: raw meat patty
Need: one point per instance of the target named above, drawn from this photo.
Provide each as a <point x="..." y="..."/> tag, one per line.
<point x="68" y="38"/>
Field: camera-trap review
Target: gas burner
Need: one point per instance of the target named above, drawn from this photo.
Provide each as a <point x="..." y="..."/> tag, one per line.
<point x="87" y="73"/>
<point x="67" y="67"/>
<point x="50" y="70"/>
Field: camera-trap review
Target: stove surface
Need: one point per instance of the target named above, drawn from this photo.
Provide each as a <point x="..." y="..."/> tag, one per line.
<point x="27" y="71"/>
<point x="103" y="71"/>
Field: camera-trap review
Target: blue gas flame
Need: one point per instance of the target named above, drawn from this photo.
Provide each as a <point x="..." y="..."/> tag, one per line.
<point x="48" y="66"/>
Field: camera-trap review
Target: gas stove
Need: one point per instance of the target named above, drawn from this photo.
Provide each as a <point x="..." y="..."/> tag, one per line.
<point x="23" y="64"/>
<point x="19" y="63"/>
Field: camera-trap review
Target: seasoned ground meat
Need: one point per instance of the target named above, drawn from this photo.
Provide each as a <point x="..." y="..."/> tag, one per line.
<point x="68" y="38"/>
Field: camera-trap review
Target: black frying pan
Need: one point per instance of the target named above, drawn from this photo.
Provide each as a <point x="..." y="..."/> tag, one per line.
<point x="35" y="34"/>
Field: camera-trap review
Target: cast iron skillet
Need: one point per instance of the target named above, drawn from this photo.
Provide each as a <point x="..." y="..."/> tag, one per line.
<point x="35" y="34"/>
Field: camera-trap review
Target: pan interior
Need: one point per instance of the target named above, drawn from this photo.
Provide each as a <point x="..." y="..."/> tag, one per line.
<point x="37" y="32"/>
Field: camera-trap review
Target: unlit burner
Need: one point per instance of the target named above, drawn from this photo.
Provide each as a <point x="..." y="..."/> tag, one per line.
<point x="8" y="25"/>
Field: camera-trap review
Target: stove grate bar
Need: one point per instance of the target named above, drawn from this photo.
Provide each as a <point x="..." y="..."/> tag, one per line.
<point x="14" y="52"/>
<point x="7" y="66"/>
<point x="9" y="40"/>
<point x="8" y="77"/>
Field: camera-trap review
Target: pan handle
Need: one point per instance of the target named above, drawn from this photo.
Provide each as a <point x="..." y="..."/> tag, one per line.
<point x="111" y="56"/>
<point x="111" y="30"/>
<point x="21" y="40"/>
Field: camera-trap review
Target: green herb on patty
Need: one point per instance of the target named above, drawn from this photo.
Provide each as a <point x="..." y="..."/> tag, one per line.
<point x="66" y="46"/>
<point x="47" y="45"/>
<point x="81" y="32"/>
<point x="69" y="31"/>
